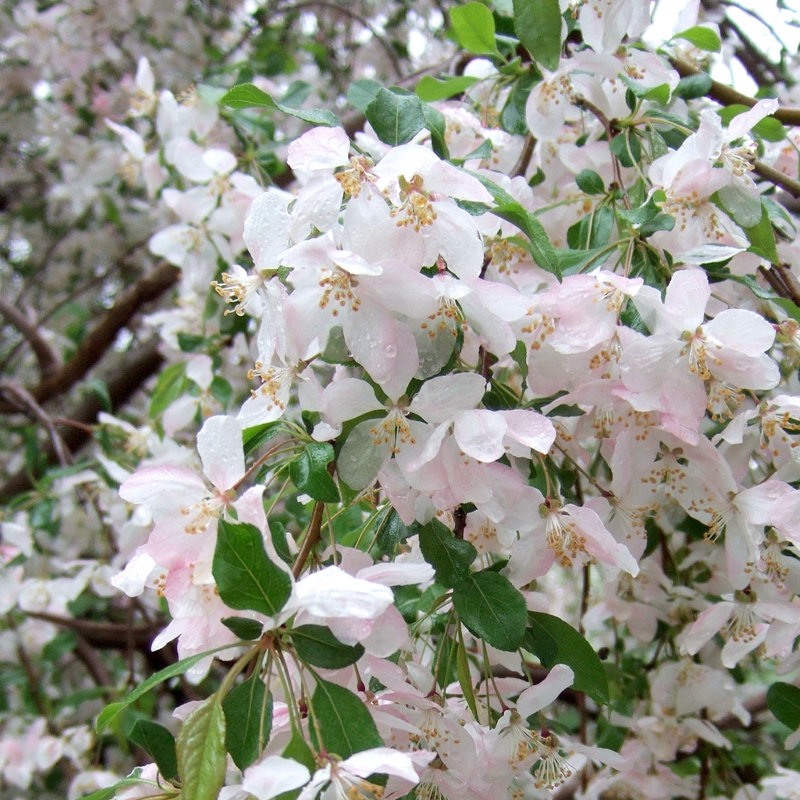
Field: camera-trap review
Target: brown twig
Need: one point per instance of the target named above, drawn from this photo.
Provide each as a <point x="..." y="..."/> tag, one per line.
<point x="104" y="635"/>
<point x="45" y="355"/>
<point x="727" y="95"/>
<point x="102" y="336"/>
<point x="313" y="536"/>
<point x="126" y="381"/>
<point x="775" y="176"/>
<point x="93" y="663"/>
<point x="521" y="167"/>
<point x="782" y="281"/>
<point x="23" y="401"/>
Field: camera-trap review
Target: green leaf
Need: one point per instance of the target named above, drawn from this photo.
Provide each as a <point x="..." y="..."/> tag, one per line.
<point x="245" y="629"/>
<point x="202" y="759"/>
<point x="431" y="89"/>
<point x="762" y="239"/>
<point x="594" y="230"/>
<point x="106" y="716"/>
<point x="158" y="743"/>
<point x="626" y="148"/>
<point x="554" y="641"/>
<point x="702" y="38"/>
<point x="541" y="248"/>
<point x="111" y="791"/>
<point x="362" y="93"/>
<point x="345" y="723"/>
<point x="392" y="531"/>
<point x="492" y="609"/>
<point x="789" y="307"/>
<point x="316" y="645"/>
<point x="309" y="472"/>
<point x="450" y="557"/>
<point x="100" y="390"/>
<point x="661" y="222"/>
<point x="465" y="678"/>
<point x="169" y="388"/>
<point x="246" y="578"/>
<point x="396" y="116"/>
<point x="512" y="117"/>
<point x="246" y="95"/>
<point x="694" y="86"/>
<point x="474" y="27"/>
<point x="783" y="700"/>
<point x="590" y="182"/>
<point x="254" y="437"/>
<point x="572" y="262"/>
<point x="248" y="721"/>
<point x="437" y="125"/>
<point x="538" y="26"/>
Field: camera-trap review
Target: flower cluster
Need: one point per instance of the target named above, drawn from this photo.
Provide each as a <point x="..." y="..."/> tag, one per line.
<point x="498" y="429"/>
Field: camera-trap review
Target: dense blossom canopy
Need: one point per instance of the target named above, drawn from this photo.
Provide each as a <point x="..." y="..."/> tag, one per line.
<point x="400" y="400"/>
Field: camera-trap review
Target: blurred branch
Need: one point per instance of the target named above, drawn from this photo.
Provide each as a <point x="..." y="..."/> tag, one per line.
<point x="45" y="355"/>
<point x="727" y="95"/>
<point x="104" y="635"/>
<point x="22" y="399"/>
<point x="763" y="71"/>
<point x="365" y="23"/>
<point x="128" y="377"/>
<point x="102" y="336"/>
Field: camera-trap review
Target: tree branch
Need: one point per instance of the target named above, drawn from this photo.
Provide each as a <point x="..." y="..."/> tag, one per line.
<point x="127" y="379"/>
<point x="727" y="95"/>
<point x="102" y="336"/>
<point x="45" y="355"/>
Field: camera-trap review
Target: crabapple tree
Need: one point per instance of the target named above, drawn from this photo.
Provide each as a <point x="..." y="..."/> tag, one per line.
<point x="400" y="400"/>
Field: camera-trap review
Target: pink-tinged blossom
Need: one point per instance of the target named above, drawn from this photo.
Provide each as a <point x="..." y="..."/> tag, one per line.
<point x="348" y="778"/>
<point x="570" y="535"/>
<point x="421" y="188"/>
<point x="744" y="620"/>
<point x="314" y="157"/>
<point x="184" y="509"/>
<point x="274" y="775"/>
<point x="371" y="444"/>
<point x="667" y="371"/>
<point x="339" y="282"/>
<point x="604" y="23"/>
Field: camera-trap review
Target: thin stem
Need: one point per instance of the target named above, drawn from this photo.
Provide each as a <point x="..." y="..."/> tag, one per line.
<point x="313" y="536"/>
<point x="261" y="459"/>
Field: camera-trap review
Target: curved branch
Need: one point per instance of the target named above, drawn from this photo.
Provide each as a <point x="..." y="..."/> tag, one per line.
<point x="127" y="380"/>
<point x="727" y="95"/>
<point x="45" y="355"/>
<point x="102" y="336"/>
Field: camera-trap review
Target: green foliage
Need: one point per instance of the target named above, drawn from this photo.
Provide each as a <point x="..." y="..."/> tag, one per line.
<point x="248" y="716"/>
<point x="345" y="723"/>
<point x="702" y="38"/>
<point x="201" y="751"/>
<point x="309" y="472"/>
<point x="474" y="27"/>
<point x="245" y="576"/>
<point x="158" y="743"/>
<point x="247" y="95"/>
<point x="554" y="641"/>
<point x="245" y="629"/>
<point x="783" y="700"/>
<point x="431" y="89"/>
<point x="450" y="557"/>
<point x="396" y="115"/>
<point x="538" y="26"/>
<point x="316" y="645"/>
<point x="491" y="609"/>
